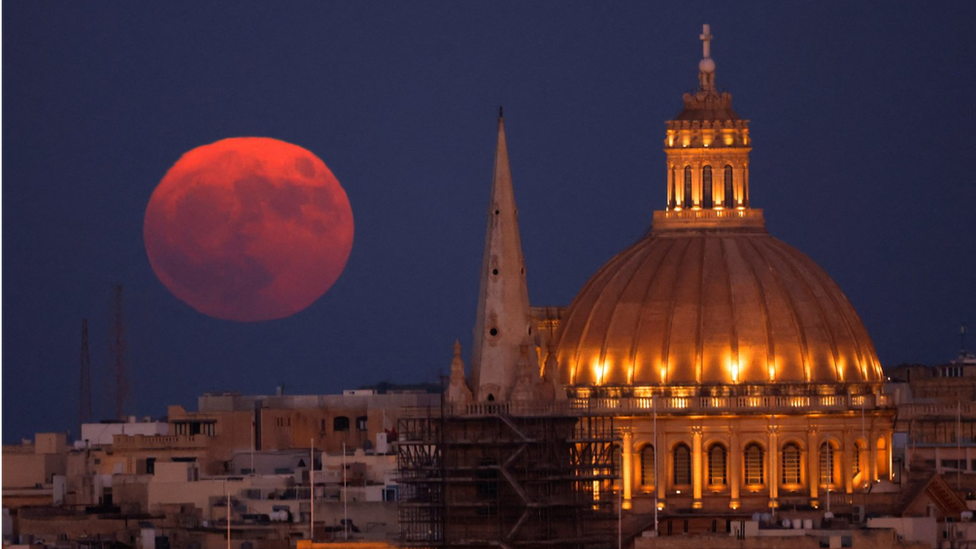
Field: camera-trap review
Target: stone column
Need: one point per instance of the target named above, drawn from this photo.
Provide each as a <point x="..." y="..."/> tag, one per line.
<point x="697" y="466"/>
<point x="660" y="465"/>
<point x="813" y="476"/>
<point x="670" y="185"/>
<point x="846" y="463"/>
<point x="735" y="468"/>
<point x="772" y="452"/>
<point x="627" y="453"/>
<point x="889" y="454"/>
<point x="745" y="185"/>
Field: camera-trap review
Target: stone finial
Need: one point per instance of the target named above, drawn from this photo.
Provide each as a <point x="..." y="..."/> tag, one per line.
<point x="552" y="389"/>
<point x="458" y="391"/>
<point x="457" y="363"/>
<point x="706" y="67"/>
<point x="706" y="38"/>
<point x="527" y="381"/>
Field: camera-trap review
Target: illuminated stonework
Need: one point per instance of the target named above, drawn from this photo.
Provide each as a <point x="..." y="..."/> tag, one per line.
<point x="707" y="146"/>
<point x="738" y="374"/>
<point x="711" y="306"/>
<point x="708" y="296"/>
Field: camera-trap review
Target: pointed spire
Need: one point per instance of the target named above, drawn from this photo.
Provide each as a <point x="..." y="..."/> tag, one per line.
<point x="503" y="317"/>
<point x="458" y="390"/>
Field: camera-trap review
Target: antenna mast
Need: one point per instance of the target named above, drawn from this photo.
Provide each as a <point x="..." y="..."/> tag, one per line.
<point x="84" y="385"/>
<point x="118" y="350"/>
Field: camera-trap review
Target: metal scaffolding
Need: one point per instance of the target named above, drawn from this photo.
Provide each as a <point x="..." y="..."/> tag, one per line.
<point x="497" y="478"/>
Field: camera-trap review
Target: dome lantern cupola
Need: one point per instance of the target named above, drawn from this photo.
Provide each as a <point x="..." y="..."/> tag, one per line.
<point x="708" y="297"/>
<point x="707" y="147"/>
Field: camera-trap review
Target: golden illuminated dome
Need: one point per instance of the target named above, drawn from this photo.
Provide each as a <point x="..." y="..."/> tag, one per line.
<point x="708" y="296"/>
<point x="713" y="306"/>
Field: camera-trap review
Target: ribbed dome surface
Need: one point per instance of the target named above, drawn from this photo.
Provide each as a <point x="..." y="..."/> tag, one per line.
<point x="708" y="307"/>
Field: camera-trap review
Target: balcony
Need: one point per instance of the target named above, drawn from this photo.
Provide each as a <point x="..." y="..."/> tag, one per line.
<point x="665" y="220"/>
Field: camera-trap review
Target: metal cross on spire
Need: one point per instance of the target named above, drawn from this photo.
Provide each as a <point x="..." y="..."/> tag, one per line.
<point x="706" y="38"/>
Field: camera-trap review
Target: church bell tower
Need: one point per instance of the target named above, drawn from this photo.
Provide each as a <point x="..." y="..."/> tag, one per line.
<point x="503" y="324"/>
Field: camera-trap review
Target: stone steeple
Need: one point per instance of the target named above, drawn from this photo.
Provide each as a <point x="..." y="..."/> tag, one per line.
<point x="503" y="319"/>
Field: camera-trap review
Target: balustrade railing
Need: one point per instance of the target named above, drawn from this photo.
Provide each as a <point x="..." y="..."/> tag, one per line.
<point x="947" y="409"/>
<point x="758" y="404"/>
<point x="159" y="441"/>
<point x="666" y="404"/>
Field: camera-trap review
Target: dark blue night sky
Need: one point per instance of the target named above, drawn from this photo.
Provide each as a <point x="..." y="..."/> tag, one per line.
<point x="863" y="116"/>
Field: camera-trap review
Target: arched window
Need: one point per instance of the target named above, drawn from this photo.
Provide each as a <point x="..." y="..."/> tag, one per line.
<point x="754" y="464"/>
<point x="729" y="188"/>
<point x="857" y="459"/>
<point x="673" y="199"/>
<point x="881" y="456"/>
<point x="827" y="462"/>
<point x="682" y="465"/>
<point x="687" y="198"/>
<point x="791" y="464"/>
<point x="647" y="465"/>
<point x="716" y="465"/>
<point x="340" y="423"/>
<point x="707" y="187"/>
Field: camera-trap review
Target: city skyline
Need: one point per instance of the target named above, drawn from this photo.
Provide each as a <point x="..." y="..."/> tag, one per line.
<point x="857" y="162"/>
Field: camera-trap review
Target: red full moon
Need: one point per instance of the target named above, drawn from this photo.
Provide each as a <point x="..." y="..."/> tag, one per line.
<point x="248" y="229"/>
